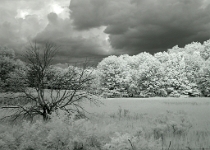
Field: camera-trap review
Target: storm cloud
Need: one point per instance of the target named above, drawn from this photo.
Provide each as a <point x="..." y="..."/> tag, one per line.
<point x="74" y="44"/>
<point x="134" y="26"/>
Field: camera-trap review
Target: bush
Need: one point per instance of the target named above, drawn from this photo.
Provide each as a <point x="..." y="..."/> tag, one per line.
<point x="177" y="124"/>
<point x="175" y="94"/>
<point x="128" y="142"/>
<point x="162" y="93"/>
<point x="61" y="132"/>
<point x="111" y="93"/>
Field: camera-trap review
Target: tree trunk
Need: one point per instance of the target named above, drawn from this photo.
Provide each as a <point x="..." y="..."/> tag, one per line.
<point x="46" y="112"/>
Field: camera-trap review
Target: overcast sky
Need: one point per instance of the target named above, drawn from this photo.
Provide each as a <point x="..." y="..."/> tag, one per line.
<point x="98" y="28"/>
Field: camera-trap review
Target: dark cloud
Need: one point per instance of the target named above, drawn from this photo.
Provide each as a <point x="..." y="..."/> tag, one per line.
<point x="90" y="16"/>
<point x="145" y="25"/>
<point x="72" y="44"/>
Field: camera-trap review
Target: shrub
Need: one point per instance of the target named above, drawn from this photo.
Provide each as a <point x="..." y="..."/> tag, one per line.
<point x="175" y="94"/>
<point x="162" y="93"/>
<point x="128" y="142"/>
<point x="61" y="132"/>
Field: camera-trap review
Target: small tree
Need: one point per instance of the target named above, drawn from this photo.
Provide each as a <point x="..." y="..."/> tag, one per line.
<point x="66" y="89"/>
<point x="7" y="65"/>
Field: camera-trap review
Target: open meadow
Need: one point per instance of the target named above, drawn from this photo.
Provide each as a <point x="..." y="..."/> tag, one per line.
<point x="120" y="124"/>
<point x="197" y="109"/>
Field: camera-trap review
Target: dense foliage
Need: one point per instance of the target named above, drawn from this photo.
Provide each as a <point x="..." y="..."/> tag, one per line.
<point x="9" y="69"/>
<point x="177" y="72"/>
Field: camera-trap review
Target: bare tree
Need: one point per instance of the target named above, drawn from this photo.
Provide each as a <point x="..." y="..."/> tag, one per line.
<point x="66" y="90"/>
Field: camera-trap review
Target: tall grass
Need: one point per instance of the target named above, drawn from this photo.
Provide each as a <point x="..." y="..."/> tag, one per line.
<point x="119" y="129"/>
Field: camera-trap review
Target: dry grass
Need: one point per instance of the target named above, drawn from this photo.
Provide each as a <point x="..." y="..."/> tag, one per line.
<point x="133" y="116"/>
<point x="177" y="123"/>
<point x="197" y="109"/>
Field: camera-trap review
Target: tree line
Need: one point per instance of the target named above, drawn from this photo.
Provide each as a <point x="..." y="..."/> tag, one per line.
<point x="177" y="72"/>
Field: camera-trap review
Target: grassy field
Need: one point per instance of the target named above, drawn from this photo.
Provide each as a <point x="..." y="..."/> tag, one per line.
<point x="197" y="109"/>
<point x="155" y="116"/>
<point x="125" y="124"/>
